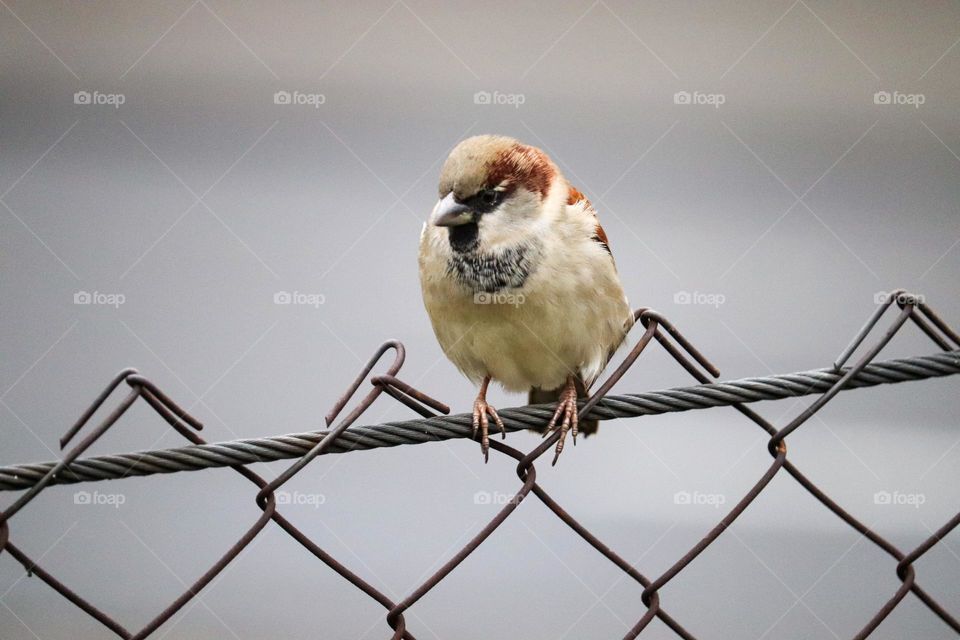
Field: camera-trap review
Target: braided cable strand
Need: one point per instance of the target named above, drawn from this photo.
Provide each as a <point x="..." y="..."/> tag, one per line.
<point x="390" y="434"/>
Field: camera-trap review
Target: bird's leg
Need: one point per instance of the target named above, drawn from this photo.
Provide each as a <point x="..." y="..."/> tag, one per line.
<point x="567" y="409"/>
<point x="482" y="412"/>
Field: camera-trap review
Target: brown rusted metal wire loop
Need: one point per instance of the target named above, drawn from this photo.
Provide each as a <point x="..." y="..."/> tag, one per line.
<point x="33" y="568"/>
<point x="596" y="543"/>
<point x="413" y="398"/>
<point x="379" y="384"/>
<point x="527" y="474"/>
<point x="819" y="403"/>
<point x="819" y="494"/>
<point x="393" y="617"/>
<point x="74" y="453"/>
<point x="707" y="540"/>
<point x="650" y="596"/>
<point x="907" y="303"/>
<point x="179" y="419"/>
<point x="656" y="327"/>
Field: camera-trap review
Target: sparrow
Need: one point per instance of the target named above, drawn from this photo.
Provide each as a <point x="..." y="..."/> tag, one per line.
<point x="519" y="281"/>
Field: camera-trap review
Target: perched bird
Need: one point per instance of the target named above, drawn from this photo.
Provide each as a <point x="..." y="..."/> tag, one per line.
<point x="519" y="282"/>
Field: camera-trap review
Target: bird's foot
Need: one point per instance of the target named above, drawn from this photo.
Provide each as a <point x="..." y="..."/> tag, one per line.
<point x="566" y="416"/>
<point x="482" y="412"/>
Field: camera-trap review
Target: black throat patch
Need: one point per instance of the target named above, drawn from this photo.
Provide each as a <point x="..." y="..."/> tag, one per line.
<point x="492" y="271"/>
<point x="464" y="237"/>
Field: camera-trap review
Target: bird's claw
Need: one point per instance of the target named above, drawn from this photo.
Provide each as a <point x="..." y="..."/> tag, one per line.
<point x="568" y="418"/>
<point x="482" y="412"/>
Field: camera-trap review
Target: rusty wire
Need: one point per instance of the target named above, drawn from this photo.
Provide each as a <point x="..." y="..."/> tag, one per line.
<point x="436" y="428"/>
<point x="33" y="479"/>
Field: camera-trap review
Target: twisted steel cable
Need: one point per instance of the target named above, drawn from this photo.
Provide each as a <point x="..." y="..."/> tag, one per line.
<point x="240" y="452"/>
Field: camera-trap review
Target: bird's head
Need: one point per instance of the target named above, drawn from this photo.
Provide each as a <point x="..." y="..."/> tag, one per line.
<point x="493" y="189"/>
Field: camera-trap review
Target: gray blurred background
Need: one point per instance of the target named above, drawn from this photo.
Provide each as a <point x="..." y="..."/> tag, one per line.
<point x="792" y="204"/>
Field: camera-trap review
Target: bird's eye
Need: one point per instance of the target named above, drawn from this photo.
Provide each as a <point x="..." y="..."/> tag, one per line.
<point x="490" y="197"/>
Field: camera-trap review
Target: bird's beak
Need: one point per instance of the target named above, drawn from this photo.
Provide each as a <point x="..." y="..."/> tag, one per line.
<point x="450" y="213"/>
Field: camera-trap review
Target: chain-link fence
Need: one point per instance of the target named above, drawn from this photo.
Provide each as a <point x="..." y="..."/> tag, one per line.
<point x="344" y="437"/>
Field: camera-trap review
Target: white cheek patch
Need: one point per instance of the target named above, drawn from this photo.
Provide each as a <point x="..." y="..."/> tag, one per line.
<point x="513" y="222"/>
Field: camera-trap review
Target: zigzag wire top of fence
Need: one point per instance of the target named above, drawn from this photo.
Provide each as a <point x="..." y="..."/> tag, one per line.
<point x="223" y="454"/>
<point x="32" y="479"/>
